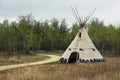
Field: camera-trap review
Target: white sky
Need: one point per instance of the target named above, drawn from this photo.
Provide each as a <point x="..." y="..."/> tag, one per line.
<point x="107" y="10"/>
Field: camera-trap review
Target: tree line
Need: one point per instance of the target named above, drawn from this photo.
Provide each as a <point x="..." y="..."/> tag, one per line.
<point x="106" y="38"/>
<point x="28" y="34"/>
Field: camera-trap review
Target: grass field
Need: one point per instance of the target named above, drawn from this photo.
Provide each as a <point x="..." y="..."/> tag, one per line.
<point x="108" y="70"/>
<point x="59" y="53"/>
<point x="16" y="59"/>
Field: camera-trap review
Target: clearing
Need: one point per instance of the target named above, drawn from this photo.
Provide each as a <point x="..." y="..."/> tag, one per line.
<point x="52" y="58"/>
<point x="108" y="70"/>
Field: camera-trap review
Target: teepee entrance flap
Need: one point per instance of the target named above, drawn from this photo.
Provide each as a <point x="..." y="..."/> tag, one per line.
<point x="74" y="56"/>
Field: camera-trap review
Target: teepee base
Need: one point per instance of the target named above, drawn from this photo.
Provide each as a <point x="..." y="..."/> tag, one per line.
<point x="64" y="60"/>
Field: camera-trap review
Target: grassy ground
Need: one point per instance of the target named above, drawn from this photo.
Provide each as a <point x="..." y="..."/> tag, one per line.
<point x="59" y="53"/>
<point x="108" y="70"/>
<point x="16" y="59"/>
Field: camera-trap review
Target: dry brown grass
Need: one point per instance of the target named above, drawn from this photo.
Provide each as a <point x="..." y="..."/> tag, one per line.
<point x="108" y="70"/>
<point x="21" y="59"/>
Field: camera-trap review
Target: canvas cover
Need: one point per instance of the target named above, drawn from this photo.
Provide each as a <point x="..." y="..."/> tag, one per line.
<point x="83" y="45"/>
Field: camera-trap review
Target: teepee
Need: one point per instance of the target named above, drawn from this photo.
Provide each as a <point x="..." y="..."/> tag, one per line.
<point x="81" y="48"/>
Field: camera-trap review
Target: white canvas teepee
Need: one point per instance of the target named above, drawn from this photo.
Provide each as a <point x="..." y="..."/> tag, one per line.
<point x="81" y="48"/>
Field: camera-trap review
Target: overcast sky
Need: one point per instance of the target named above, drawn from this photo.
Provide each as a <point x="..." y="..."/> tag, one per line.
<point x="107" y="10"/>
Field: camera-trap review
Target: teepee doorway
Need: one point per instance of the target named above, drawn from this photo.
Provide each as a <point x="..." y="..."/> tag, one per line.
<point x="73" y="57"/>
